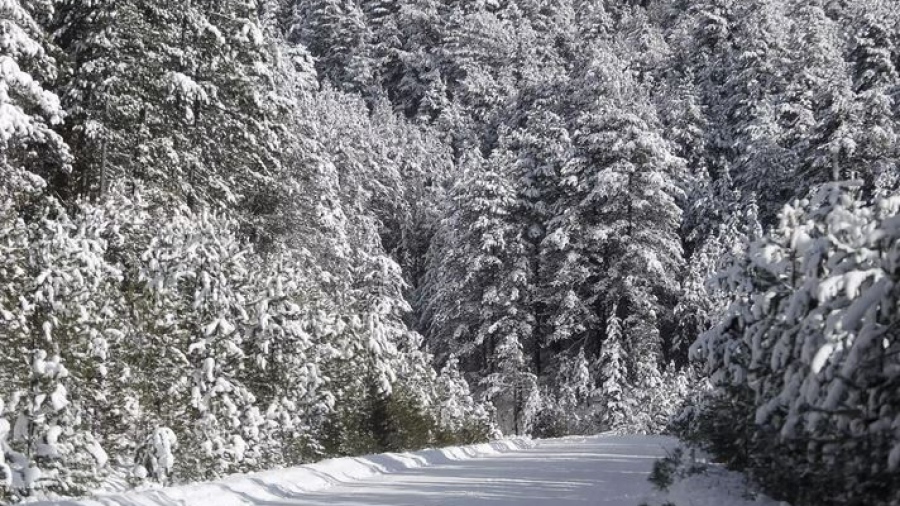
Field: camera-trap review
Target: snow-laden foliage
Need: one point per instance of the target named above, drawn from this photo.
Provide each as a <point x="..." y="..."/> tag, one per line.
<point x="192" y="355"/>
<point x="57" y="306"/>
<point x="153" y="91"/>
<point x="485" y="271"/>
<point x="810" y="340"/>
<point x="30" y="150"/>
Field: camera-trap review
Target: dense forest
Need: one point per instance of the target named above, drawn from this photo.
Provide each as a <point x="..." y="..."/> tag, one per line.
<point x="244" y="234"/>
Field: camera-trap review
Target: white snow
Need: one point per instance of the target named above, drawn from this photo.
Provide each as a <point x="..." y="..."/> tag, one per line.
<point x="97" y="451"/>
<point x="58" y="398"/>
<point x="164" y="441"/>
<point x="597" y="470"/>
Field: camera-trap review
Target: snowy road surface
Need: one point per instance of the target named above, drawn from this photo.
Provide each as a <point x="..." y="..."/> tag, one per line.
<point x="575" y="471"/>
<point x="601" y="470"/>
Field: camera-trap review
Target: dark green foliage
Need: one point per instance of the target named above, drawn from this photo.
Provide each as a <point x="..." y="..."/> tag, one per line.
<point x="550" y="422"/>
<point x="720" y="424"/>
<point x="392" y="422"/>
<point x="673" y="467"/>
<point x="470" y="433"/>
<point x="663" y="474"/>
<point x="724" y="426"/>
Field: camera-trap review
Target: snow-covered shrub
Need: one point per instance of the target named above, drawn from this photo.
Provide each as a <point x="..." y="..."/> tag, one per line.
<point x="567" y="406"/>
<point x="551" y="421"/>
<point x="372" y="420"/>
<point x="810" y="345"/>
<point x="202" y="275"/>
<point x="155" y="459"/>
<point x="654" y="405"/>
<point x="58" y="304"/>
<point x="287" y="344"/>
<point x="716" y="421"/>
<point x="460" y="417"/>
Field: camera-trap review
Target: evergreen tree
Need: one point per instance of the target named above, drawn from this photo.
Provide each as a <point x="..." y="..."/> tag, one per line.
<point x="487" y="272"/>
<point x="31" y="152"/>
<point x="620" y="230"/>
<point x="535" y="155"/>
<point x="56" y="314"/>
<point x="180" y="88"/>
<point x="614" y="407"/>
<point x="799" y="342"/>
<point x="337" y="33"/>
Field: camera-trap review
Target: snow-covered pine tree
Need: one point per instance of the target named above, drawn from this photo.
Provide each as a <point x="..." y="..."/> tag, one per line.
<point x="875" y="69"/>
<point x="614" y="405"/>
<point x="817" y="103"/>
<point x="412" y="74"/>
<point x="509" y="383"/>
<point x="535" y="155"/>
<point x="197" y="269"/>
<point x="458" y="412"/>
<point x="485" y="269"/>
<point x="483" y="52"/>
<point x="575" y="386"/>
<point x="617" y="231"/>
<point x="112" y="118"/>
<point x="286" y="346"/>
<point x="156" y="86"/>
<point x="336" y="32"/>
<point x="807" y="342"/>
<point x="31" y="152"/>
<point x="760" y="162"/>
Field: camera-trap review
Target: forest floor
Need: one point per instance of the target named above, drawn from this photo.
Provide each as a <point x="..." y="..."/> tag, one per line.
<point x="603" y="470"/>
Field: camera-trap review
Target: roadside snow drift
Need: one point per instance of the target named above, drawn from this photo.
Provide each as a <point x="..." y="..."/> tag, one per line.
<point x="275" y="486"/>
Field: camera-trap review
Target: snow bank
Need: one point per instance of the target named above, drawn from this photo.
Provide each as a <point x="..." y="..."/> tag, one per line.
<point x="273" y="486"/>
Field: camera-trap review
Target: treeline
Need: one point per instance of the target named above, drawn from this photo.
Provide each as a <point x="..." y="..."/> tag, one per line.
<point x="200" y="252"/>
<point x="611" y="157"/>
<point x="535" y="192"/>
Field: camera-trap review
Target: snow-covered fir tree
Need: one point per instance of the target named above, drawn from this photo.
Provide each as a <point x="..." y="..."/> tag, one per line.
<point x="807" y="341"/>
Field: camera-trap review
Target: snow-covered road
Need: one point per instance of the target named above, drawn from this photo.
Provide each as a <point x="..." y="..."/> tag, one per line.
<point x="595" y="470"/>
<point x="603" y="470"/>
